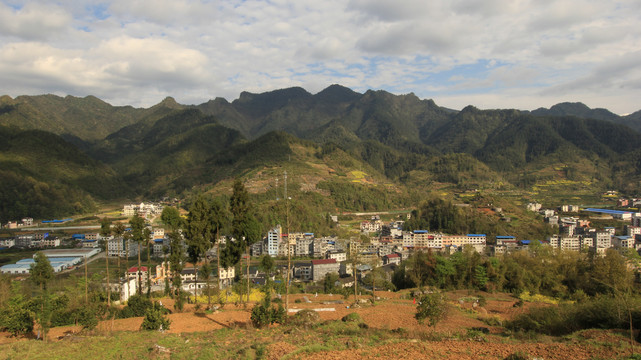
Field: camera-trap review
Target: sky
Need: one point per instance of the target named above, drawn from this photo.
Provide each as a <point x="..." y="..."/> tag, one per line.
<point x="522" y="54"/>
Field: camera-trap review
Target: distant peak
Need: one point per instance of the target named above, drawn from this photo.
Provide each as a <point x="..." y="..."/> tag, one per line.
<point x="6" y="99"/>
<point x="170" y="102"/>
<point x="570" y="105"/>
<point x="337" y="92"/>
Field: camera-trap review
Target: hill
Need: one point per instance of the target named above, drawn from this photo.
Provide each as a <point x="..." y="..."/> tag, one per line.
<point x="351" y="151"/>
<point x="87" y="119"/>
<point x="44" y="176"/>
<point x="583" y="111"/>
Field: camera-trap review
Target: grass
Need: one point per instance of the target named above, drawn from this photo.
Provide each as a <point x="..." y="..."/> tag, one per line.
<point x="240" y="343"/>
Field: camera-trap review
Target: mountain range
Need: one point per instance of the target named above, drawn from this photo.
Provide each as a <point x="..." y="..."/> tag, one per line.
<point x="343" y="149"/>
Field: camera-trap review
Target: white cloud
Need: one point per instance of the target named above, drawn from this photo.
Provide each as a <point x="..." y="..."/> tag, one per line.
<point x="138" y="51"/>
<point x="33" y="21"/>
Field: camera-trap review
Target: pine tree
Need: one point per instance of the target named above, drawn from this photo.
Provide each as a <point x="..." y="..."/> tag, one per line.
<point x="200" y="233"/>
<point x="244" y="227"/>
<point x="41" y="274"/>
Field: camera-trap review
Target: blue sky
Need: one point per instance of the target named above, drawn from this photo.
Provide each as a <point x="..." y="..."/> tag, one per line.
<point x="520" y="54"/>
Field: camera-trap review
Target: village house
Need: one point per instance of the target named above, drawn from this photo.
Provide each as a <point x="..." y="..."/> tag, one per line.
<point x="322" y="267"/>
<point x="391" y="259"/>
<point x="226" y="276"/>
<point x="337" y="255"/>
<point x="303" y="271"/>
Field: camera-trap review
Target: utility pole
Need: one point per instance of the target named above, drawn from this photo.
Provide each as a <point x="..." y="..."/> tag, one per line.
<point x="289" y="253"/>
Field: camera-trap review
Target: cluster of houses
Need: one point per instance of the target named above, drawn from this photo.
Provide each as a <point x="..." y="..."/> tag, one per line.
<point x="577" y="234"/>
<point x="29" y="241"/>
<point x="146" y="211"/>
<point x="18" y="224"/>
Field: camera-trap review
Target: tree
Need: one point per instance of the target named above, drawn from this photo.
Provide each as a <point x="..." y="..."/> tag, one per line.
<point x="176" y="256"/>
<point x="267" y="265"/>
<point x="41" y="274"/>
<point x="264" y="314"/>
<point x="41" y="271"/>
<point x="219" y="221"/>
<point x="421" y="267"/>
<point x="105" y="231"/>
<point x="137" y="233"/>
<point x="431" y="307"/>
<point x="200" y="233"/>
<point x="171" y="218"/>
<point x="329" y="282"/>
<point x="244" y="227"/>
<point x="155" y="319"/>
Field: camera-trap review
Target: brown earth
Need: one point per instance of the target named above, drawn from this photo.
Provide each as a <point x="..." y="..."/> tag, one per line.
<point x="390" y="312"/>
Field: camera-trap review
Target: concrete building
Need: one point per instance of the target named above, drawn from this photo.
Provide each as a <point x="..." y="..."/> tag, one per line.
<point x="273" y="240"/>
<point x="602" y="240"/>
<point x="322" y="267"/>
<point x="121" y="247"/>
<point x="337" y="255"/>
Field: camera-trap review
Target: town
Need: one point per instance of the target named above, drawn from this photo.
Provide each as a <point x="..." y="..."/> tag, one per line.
<point x="381" y="245"/>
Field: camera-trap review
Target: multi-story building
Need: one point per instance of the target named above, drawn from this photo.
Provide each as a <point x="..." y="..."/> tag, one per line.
<point x="304" y="244"/>
<point x="7" y="243"/>
<point x="121" y="247"/>
<point x="158" y="233"/>
<point x="632" y="230"/>
<point x="573" y="243"/>
<point x="303" y="271"/>
<point x="337" y="255"/>
<point x="601" y="239"/>
<point x="161" y="247"/>
<point x="273" y="240"/>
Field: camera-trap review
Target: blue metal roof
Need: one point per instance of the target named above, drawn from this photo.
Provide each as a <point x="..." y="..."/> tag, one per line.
<point x="607" y="211"/>
<point x="505" y="237"/>
<point x="476" y="235"/>
<point x="420" y="231"/>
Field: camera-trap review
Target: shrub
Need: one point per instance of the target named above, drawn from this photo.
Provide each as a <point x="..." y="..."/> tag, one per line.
<point x="87" y="317"/>
<point x="600" y="313"/>
<point x="304" y="318"/>
<point x="431" y="307"/>
<point x="155" y="319"/>
<point x="16" y="321"/>
<point x="138" y="305"/>
<point x="352" y="317"/>
<point x="265" y="314"/>
<point x="517" y="356"/>
<point x="62" y="317"/>
<point x="491" y="320"/>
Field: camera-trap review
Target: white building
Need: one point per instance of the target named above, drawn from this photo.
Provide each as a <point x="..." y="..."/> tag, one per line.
<point x="339" y="256"/>
<point x="120" y="247"/>
<point x="273" y="240"/>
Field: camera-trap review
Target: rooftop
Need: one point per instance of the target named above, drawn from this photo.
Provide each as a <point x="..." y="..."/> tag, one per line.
<point x="607" y="211"/>
<point x="323" y="261"/>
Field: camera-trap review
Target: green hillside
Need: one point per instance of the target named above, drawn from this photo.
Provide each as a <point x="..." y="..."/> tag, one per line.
<point x="43" y="176"/>
<point x="343" y="150"/>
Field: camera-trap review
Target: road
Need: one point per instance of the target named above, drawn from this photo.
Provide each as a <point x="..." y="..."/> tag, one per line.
<point x="53" y="228"/>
